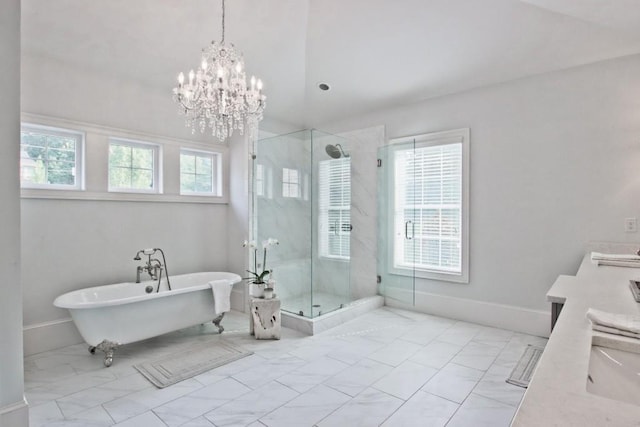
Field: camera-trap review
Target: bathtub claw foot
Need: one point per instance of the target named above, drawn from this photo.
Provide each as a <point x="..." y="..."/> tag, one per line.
<point x="108" y="347"/>
<point x="92" y="349"/>
<point x="217" y="321"/>
<point x="108" y="360"/>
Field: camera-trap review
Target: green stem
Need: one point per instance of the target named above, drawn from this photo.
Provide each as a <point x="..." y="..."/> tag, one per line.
<point x="255" y="260"/>
<point x="264" y="260"/>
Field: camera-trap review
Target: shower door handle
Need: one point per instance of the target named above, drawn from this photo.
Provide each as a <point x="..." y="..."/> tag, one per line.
<point x="406" y="230"/>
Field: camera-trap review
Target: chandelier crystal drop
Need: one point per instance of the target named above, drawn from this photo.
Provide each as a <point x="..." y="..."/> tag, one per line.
<point x="217" y="96"/>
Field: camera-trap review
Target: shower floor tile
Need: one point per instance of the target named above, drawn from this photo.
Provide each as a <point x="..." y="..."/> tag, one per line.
<point x="378" y="369"/>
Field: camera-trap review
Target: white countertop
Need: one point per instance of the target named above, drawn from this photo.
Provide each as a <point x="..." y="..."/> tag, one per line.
<point x="557" y="394"/>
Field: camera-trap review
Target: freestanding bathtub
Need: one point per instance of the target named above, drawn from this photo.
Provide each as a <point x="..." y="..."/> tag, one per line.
<point x="112" y="315"/>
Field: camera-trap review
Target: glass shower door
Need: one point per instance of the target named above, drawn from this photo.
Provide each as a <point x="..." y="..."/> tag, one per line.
<point x="397" y="221"/>
<point x="331" y="223"/>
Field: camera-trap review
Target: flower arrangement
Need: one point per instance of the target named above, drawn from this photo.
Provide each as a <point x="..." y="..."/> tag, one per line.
<point x="259" y="277"/>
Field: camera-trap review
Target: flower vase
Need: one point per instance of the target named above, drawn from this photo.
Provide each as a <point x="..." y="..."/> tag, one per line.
<point x="256" y="290"/>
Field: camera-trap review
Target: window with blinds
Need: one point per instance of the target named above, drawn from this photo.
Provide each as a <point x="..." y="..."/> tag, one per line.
<point x="429" y="230"/>
<point x="334" y="201"/>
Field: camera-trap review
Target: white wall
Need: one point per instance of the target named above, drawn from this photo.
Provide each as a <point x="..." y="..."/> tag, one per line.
<point x="71" y="244"/>
<point x="237" y="224"/>
<point x="13" y="410"/>
<point x="554" y="164"/>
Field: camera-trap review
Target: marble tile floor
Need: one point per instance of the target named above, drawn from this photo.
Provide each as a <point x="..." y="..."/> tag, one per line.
<point x="388" y="367"/>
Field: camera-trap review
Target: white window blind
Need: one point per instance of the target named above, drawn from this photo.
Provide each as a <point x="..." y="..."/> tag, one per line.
<point x="428" y="205"/>
<point x="335" y="208"/>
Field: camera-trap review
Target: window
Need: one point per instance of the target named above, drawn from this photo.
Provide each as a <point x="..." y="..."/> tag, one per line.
<point x="259" y="180"/>
<point x="431" y="206"/>
<point x="335" y="208"/>
<point x="199" y="173"/>
<point x="134" y="166"/>
<point x="290" y="183"/>
<point x="51" y="158"/>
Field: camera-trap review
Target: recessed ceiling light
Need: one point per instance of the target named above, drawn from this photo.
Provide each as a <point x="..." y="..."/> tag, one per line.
<point x="323" y="86"/>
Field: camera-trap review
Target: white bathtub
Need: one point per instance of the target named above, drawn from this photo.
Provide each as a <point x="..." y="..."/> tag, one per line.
<point x="111" y="315"/>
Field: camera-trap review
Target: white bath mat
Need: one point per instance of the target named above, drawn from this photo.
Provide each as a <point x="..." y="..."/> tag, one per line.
<point x="189" y="362"/>
<point x="521" y="374"/>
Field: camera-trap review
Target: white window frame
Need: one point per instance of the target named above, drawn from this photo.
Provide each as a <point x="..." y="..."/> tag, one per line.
<point x="426" y="140"/>
<point x="298" y="184"/>
<point x="156" y="172"/>
<point x="216" y="172"/>
<point x="79" y="156"/>
<point x="325" y="180"/>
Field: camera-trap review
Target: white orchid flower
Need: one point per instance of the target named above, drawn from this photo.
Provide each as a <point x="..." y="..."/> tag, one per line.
<point x="251" y="244"/>
<point x="272" y="241"/>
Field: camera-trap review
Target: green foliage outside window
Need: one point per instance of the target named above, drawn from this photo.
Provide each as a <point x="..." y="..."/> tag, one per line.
<point x="130" y="167"/>
<point x="47" y="158"/>
<point x="196" y="173"/>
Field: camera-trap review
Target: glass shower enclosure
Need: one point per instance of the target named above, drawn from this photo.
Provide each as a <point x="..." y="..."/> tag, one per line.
<point x="301" y="196"/>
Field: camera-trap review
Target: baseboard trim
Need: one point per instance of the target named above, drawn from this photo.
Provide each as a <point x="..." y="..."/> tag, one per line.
<point x="15" y="414"/>
<point x="519" y="319"/>
<point x="62" y="332"/>
<point x="49" y="336"/>
<point x="238" y="300"/>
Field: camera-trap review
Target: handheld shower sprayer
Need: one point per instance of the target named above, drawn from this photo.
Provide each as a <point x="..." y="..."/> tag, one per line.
<point x="148" y="252"/>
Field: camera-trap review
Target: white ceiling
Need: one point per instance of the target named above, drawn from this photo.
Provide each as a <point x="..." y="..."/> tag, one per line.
<point x="373" y="53"/>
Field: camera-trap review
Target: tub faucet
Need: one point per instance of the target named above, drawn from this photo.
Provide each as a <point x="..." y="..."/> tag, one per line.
<point x="153" y="266"/>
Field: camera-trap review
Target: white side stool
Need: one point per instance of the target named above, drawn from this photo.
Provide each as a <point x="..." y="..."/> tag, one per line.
<point x="264" y="319"/>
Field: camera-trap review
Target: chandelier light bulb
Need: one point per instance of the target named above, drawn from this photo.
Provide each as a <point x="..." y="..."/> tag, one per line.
<point x="191" y="76"/>
<point x="181" y="78"/>
<point x="204" y="65"/>
<point x="238" y="68"/>
<point x="259" y="84"/>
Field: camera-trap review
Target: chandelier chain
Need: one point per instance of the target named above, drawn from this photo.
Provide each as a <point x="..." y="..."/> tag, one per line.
<point x="222" y="21"/>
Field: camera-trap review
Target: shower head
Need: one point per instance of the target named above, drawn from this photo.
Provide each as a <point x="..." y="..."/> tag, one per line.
<point x="335" y="151"/>
<point x="148" y="251"/>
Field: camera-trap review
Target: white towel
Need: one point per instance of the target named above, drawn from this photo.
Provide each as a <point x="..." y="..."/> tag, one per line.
<point x="614" y="263"/>
<point x="615" y="331"/>
<point x="596" y="256"/>
<point x="221" y="295"/>
<point x="622" y="322"/>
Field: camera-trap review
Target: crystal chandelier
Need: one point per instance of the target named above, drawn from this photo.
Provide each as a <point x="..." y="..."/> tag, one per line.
<point x="217" y="95"/>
